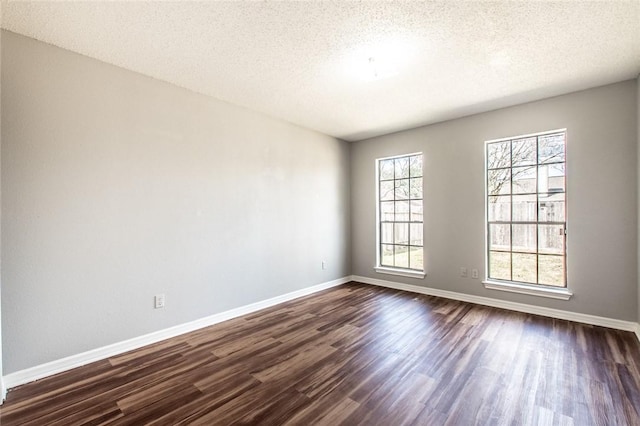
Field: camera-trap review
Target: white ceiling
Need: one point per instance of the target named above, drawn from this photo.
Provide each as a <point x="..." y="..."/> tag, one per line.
<point x="304" y="61"/>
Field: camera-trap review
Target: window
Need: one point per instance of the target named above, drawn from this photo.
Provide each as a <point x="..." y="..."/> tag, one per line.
<point x="400" y="205"/>
<point x="526" y="209"/>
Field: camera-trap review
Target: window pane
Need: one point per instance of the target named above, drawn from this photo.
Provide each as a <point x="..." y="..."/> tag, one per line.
<point x="402" y="211"/>
<point x="416" y="211"/>
<point x="524" y="180"/>
<point x="401" y="233"/>
<point x="386" y="169"/>
<point x="416" y="260"/>
<point x="386" y="211"/>
<point x="524" y="267"/>
<point x="402" y="256"/>
<point x="499" y="237"/>
<point x="386" y="233"/>
<point x="499" y="154"/>
<point x="499" y="181"/>
<point x="551" y="208"/>
<point x="551" y="270"/>
<point x="415" y="188"/>
<point x="386" y="190"/>
<point x="415" y="234"/>
<point x="551" y="178"/>
<point x="500" y="265"/>
<point x="499" y="208"/>
<point x="402" y="189"/>
<point x="551" y="148"/>
<point x="551" y="239"/>
<point x="524" y="238"/>
<point x="524" y="208"/>
<point x="524" y="152"/>
<point x="386" y="255"/>
<point x="415" y="167"/>
<point x="401" y="167"/>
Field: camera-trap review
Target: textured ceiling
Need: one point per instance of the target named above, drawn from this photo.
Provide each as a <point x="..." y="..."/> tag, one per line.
<point x="308" y="62"/>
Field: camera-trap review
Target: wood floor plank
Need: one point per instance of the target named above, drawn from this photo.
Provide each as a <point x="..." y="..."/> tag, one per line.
<point x="355" y="354"/>
<point x="229" y="389"/>
<point x="331" y="409"/>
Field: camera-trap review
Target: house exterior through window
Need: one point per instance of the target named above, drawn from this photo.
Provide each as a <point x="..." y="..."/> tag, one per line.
<point x="526" y="209"/>
<point x="400" y="233"/>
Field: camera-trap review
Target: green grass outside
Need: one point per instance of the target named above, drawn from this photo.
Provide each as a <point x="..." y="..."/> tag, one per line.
<point x="550" y="268"/>
<point x="403" y="253"/>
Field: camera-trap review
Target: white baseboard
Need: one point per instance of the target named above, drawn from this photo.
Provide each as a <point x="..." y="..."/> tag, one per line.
<point x="513" y="306"/>
<point x="40" y="371"/>
<point x="3" y="391"/>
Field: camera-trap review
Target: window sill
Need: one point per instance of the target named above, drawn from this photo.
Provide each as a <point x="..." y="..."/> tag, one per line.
<point x="533" y="290"/>
<point x="399" y="272"/>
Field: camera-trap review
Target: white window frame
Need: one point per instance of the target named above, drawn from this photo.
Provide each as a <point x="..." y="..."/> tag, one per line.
<point x="404" y="272"/>
<point x="534" y="289"/>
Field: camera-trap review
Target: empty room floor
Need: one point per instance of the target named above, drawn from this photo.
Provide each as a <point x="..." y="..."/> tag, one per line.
<point x="355" y="354"/>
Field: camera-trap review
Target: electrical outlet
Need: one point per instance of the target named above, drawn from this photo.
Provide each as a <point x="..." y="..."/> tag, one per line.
<point x="474" y="273"/>
<point x="324" y="264"/>
<point x="159" y="301"/>
<point x="463" y="272"/>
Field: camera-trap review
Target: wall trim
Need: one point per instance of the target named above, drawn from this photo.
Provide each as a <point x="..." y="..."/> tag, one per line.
<point x="530" y="289"/>
<point x="512" y="306"/>
<point x="43" y="370"/>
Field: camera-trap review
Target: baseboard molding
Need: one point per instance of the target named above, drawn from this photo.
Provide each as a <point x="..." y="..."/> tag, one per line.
<point x="3" y="391"/>
<point x="513" y="306"/>
<point x="40" y="371"/>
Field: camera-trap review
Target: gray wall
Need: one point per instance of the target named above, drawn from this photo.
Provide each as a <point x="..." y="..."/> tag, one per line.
<point x="117" y="187"/>
<point x="602" y="197"/>
<point x="638" y="134"/>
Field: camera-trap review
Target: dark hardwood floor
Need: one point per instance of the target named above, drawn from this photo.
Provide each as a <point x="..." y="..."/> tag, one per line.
<point x="355" y="354"/>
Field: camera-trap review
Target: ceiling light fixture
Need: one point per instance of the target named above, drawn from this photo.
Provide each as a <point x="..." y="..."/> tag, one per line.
<point x="379" y="60"/>
<point x="379" y="70"/>
<point x="372" y="67"/>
